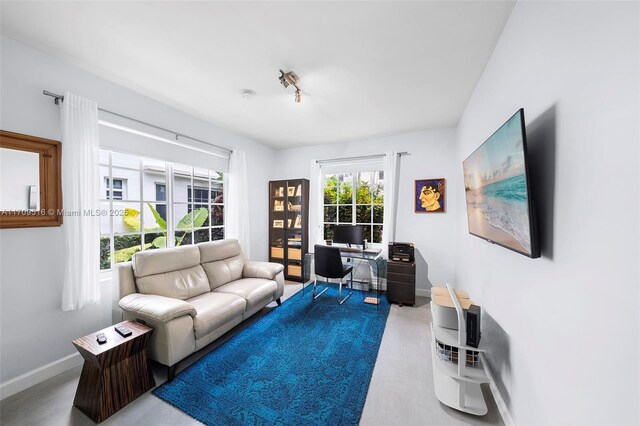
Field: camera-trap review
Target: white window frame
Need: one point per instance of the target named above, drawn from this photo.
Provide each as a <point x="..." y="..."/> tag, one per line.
<point x="353" y="204"/>
<point x="141" y="201"/>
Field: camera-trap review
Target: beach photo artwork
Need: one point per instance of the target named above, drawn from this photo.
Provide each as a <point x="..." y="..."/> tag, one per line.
<point x="496" y="189"/>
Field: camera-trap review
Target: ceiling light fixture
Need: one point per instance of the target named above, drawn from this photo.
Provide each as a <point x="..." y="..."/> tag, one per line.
<point x="291" y="79"/>
<point x="248" y="93"/>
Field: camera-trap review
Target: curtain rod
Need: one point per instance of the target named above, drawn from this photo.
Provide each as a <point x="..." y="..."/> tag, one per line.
<point x="57" y="98"/>
<point x="360" y="157"/>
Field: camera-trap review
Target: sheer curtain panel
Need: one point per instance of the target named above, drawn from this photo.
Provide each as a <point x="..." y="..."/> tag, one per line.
<point x="237" y="202"/>
<point x="80" y="192"/>
<point x="316" y="210"/>
<point x="390" y="197"/>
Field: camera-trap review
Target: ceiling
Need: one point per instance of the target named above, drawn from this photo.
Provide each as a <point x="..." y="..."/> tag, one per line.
<point x="365" y="69"/>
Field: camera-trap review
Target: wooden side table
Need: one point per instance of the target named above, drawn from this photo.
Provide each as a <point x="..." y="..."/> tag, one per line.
<point x="114" y="373"/>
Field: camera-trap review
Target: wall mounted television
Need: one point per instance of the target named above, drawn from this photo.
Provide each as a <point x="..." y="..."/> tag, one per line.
<point x="498" y="193"/>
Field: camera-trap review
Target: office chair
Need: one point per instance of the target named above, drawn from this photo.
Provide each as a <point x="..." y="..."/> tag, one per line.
<point x="328" y="264"/>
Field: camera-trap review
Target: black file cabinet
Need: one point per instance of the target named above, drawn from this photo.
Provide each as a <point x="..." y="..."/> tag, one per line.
<point x="401" y="282"/>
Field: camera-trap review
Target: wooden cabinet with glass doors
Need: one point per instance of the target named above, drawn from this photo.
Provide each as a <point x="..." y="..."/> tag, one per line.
<point x="289" y="225"/>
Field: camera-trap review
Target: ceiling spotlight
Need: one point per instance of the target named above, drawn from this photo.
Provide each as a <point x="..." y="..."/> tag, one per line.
<point x="290" y="79"/>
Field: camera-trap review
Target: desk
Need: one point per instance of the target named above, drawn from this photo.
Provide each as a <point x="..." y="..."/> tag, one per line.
<point x="373" y="257"/>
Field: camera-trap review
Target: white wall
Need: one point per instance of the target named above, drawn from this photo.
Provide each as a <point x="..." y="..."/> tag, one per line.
<point x="432" y="156"/>
<point x="563" y="330"/>
<point x="33" y="328"/>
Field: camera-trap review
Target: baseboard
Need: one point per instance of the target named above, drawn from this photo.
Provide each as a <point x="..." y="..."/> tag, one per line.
<point x="497" y="395"/>
<point x="502" y="407"/>
<point x="423" y="293"/>
<point x="40" y="374"/>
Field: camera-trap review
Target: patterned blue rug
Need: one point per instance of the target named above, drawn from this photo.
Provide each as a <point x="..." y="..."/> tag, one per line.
<point x="304" y="363"/>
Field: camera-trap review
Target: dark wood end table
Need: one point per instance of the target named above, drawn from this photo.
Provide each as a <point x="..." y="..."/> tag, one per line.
<point x="114" y="373"/>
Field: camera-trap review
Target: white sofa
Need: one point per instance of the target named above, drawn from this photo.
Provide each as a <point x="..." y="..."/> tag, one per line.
<point x="191" y="295"/>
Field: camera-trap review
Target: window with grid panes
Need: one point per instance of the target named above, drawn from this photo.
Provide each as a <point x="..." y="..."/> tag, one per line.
<point x="117" y="188"/>
<point x="354" y="199"/>
<point x="198" y="204"/>
<point x="139" y="218"/>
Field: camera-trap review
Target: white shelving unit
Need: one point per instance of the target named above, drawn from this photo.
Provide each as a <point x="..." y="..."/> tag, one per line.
<point x="458" y="385"/>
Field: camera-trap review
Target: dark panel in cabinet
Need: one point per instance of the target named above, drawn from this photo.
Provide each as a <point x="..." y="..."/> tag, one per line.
<point x="401" y="283"/>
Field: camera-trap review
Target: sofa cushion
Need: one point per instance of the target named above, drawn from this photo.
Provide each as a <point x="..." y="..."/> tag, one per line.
<point x="253" y="290"/>
<point x="182" y="284"/>
<point x="214" y="310"/>
<point x="222" y="260"/>
<point x="173" y="272"/>
<point x="152" y="262"/>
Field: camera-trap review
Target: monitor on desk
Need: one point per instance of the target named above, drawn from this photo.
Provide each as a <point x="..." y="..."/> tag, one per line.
<point x="348" y="234"/>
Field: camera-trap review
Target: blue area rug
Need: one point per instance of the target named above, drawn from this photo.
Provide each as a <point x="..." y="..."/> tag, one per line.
<point x="304" y="363"/>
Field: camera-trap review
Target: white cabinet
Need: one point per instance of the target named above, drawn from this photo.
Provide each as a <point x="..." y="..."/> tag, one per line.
<point x="457" y="383"/>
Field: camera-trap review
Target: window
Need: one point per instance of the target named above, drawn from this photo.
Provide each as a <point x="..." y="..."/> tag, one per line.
<point x="198" y="195"/>
<point x="117" y="188"/>
<point x="161" y="195"/>
<point x="354" y="199"/>
<point x="136" y="213"/>
<point x="198" y="204"/>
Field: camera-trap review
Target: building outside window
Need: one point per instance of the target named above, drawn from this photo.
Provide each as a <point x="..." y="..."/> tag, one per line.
<point x="139" y="213"/>
<point x="354" y="199"/>
<point x="117" y="189"/>
<point x="161" y="195"/>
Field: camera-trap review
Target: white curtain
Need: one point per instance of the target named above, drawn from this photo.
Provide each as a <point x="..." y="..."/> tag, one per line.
<point x="316" y="197"/>
<point x="80" y="192"/>
<point x="237" y="202"/>
<point x="390" y="197"/>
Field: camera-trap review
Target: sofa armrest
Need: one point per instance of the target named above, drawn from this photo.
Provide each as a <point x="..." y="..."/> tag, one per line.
<point x="267" y="270"/>
<point x="124" y="279"/>
<point x="158" y="308"/>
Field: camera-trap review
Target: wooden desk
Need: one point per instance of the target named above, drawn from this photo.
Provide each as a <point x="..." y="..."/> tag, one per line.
<point x="114" y="373"/>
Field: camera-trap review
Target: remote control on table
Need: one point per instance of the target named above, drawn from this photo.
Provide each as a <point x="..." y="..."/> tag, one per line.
<point x="123" y="331"/>
<point x="101" y="338"/>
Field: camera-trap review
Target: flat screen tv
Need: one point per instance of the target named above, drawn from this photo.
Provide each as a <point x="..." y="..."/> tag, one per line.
<point x="496" y="180"/>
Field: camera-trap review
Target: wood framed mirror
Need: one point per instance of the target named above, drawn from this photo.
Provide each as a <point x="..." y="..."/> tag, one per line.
<point x="30" y="181"/>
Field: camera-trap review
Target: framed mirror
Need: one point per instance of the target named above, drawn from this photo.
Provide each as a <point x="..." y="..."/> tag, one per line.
<point x="30" y="181"/>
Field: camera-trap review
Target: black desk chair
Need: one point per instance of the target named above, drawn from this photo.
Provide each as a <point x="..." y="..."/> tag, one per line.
<point x="328" y="264"/>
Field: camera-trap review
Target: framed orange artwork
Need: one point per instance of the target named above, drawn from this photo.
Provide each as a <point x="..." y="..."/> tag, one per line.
<point x="429" y="196"/>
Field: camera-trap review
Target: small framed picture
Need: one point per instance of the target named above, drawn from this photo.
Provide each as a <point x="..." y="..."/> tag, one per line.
<point x="278" y="205"/>
<point x="278" y="223"/>
<point x="429" y="196"/>
<point x="291" y="191"/>
<point x="279" y="191"/>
